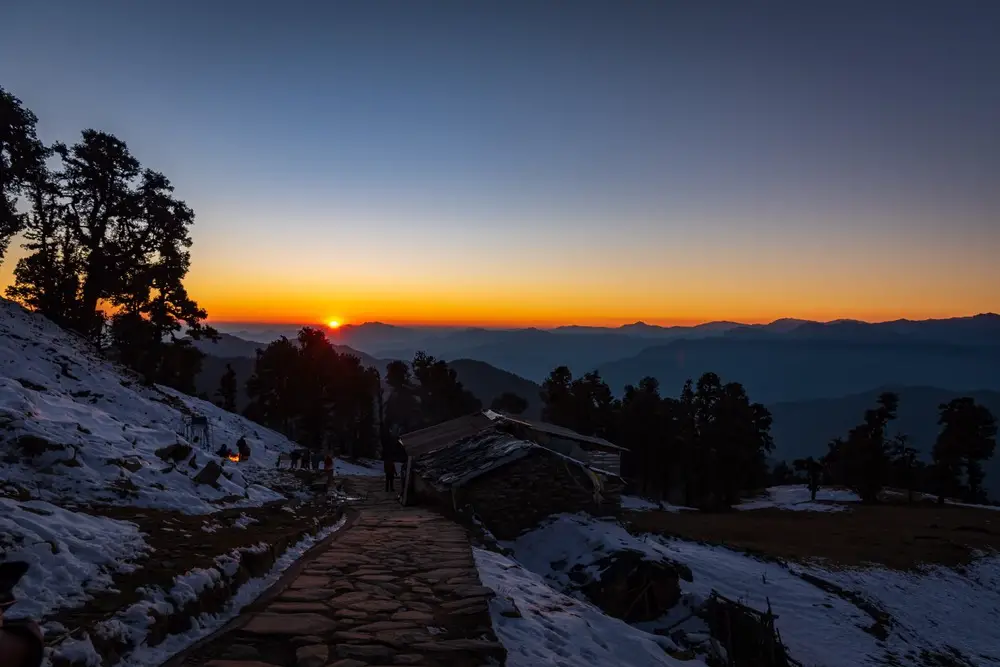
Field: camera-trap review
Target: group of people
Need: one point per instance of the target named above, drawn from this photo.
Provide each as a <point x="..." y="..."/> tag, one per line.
<point x="306" y="460"/>
<point x="242" y="448"/>
<point x="303" y="459"/>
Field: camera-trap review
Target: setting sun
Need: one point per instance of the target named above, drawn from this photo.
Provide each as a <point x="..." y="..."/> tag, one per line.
<point x="333" y="324"/>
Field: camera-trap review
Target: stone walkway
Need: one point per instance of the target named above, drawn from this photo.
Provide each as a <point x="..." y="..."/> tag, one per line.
<point x="398" y="587"/>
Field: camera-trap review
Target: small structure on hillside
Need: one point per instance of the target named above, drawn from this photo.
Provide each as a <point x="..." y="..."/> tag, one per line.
<point x="511" y="483"/>
<point x="198" y="431"/>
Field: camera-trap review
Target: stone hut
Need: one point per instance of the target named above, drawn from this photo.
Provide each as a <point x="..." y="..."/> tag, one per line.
<point x="509" y="482"/>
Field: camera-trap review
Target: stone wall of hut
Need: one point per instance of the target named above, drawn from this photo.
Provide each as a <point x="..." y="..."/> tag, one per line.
<point x="516" y="497"/>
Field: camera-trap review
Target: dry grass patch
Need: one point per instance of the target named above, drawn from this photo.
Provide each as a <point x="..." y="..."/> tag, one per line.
<point x="898" y="536"/>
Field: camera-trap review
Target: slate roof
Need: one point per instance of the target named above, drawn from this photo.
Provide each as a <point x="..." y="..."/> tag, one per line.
<point x="470" y="457"/>
<point x="563" y="432"/>
<point x="441" y="435"/>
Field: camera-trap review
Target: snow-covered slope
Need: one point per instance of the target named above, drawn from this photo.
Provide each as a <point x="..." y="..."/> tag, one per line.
<point x="76" y="432"/>
<point x="824" y="616"/>
<point x="77" y="428"/>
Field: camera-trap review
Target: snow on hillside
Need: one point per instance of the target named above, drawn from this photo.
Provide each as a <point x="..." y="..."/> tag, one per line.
<point x="93" y="429"/>
<point x="541" y="626"/>
<point x="639" y="504"/>
<point x="932" y="610"/>
<point x="796" y="497"/>
<point x="76" y="431"/>
<point x="68" y="553"/>
<point x="573" y="540"/>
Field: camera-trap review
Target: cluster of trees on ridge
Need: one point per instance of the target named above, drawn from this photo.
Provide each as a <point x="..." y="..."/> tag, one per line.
<point x="324" y="399"/>
<point x="709" y="446"/>
<point x="108" y="246"/>
<point x="868" y="459"/>
<point x="705" y="448"/>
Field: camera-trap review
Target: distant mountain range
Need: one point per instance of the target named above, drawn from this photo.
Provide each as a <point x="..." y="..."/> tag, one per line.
<point x="780" y="361"/>
<point x="792" y="368"/>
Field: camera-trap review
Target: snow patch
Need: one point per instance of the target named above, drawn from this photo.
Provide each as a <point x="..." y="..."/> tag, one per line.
<point x="72" y="555"/>
<point x="796" y="497"/>
<point x="541" y="626"/>
<point x="638" y="504"/>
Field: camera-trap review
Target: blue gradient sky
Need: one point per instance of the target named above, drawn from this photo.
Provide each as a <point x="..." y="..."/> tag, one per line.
<point x="542" y="162"/>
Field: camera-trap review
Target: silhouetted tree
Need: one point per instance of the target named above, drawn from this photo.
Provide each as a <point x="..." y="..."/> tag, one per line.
<point x="584" y="404"/>
<point x="22" y="161"/>
<point x="782" y="474"/>
<point x="712" y="442"/>
<point x="595" y="407"/>
<point x="227" y="389"/>
<point x="104" y="236"/>
<point x="862" y="461"/>
<point x="967" y="438"/>
<point x="48" y="279"/>
<point x="557" y="398"/>
<point x="315" y="395"/>
<point x="905" y="469"/>
<point x="510" y="403"/>
<point x="648" y="430"/>
<point x="732" y="439"/>
<point x="272" y="387"/>
<point x="402" y="410"/>
<point x="440" y="394"/>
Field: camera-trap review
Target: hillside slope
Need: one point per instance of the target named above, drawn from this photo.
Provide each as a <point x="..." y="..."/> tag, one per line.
<point x="75" y="427"/>
<point x="487" y="382"/>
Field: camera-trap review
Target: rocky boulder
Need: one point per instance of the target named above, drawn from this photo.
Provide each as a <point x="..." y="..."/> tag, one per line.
<point x="209" y="474"/>
<point x="175" y="453"/>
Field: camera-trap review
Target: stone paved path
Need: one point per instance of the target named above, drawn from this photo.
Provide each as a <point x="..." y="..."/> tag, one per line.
<point x="398" y="587"/>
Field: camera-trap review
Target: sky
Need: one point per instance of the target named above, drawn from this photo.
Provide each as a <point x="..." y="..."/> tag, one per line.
<point x="540" y="163"/>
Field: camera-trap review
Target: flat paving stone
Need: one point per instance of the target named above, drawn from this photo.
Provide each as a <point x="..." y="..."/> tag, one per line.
<point x="273" y="623"/>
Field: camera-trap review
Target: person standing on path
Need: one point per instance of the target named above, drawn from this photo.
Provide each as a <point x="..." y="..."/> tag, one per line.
<point x="389" y="466"/>
<point x="328" y="466"/>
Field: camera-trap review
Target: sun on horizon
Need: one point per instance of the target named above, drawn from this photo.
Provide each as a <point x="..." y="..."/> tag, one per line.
<point x="333" y="324"/>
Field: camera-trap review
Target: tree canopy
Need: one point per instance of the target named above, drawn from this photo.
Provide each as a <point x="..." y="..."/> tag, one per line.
<point x="108" y="247"/>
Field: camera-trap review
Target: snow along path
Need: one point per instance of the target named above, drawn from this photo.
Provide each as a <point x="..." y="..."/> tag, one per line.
<point x="203" y="625"/>
<point x="555" y="629"/>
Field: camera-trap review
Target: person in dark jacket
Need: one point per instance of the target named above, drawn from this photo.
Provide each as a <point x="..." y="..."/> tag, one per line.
<point x="389" y="466"/>
<point x="243" y="448"/>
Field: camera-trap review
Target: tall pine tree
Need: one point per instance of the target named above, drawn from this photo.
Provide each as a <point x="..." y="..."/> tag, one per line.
<point x="22" y="161"/>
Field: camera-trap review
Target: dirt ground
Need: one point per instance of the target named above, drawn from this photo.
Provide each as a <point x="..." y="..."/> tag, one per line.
<point x="896" y="535"/>
<point x="181" y="542"/>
